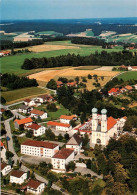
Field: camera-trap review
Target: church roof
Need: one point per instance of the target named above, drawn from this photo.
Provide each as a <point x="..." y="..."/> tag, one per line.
<point x="110" y="122"/>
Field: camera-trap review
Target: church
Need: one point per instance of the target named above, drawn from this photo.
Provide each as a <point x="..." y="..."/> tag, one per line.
<point x="103" y="127"/>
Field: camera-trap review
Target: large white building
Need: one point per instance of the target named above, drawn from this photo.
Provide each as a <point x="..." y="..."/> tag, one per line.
<point x="66" y="119"/>
<point x="103" y="127"/>
<point x="35" y="187"/>
<point x="61" y="159"/>
<point x="5" y="169"/>
<point x="38" y="130"/>
<point x="39" y="148"/>
<point x="18" y="176"/>
<point x="75" y="142"/>
<point x="59" y="126"/>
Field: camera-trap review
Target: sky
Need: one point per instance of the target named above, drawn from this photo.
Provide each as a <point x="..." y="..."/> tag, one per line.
<point x="67" y="9"/>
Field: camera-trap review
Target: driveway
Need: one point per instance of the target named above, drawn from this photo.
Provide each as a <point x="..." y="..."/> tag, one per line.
<point x="34" y="160"/>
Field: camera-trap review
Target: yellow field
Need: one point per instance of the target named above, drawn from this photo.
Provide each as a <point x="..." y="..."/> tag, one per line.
<point x="71" y="73"/>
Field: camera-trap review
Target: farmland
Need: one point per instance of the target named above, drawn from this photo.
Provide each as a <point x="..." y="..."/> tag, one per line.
<point x="72" y="72"/>
<point x="12" y="64"/>
<point x="20" y="94"/>
<point x="128" y="75"/>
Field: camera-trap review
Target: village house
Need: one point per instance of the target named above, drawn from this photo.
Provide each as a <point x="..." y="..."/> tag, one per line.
<point x="102" y="129"/>
<point x="121" y="122"/>
<point x="5" y="169"/>
<point x="45" y="98"/>
<point x="135" y="86"/>
<point x="5" y="53"/>
<point x="2" y="151"/>
<point x="18" y="176"/>
<point x="25" y="109"/>
<point x="72" y="84"/>
<point x="38" y="114"/>
<point x="38" y="130"/>
<point x="132" y="68"/>
<point x="75" y="142"/>
<point x="59" y="126"/>
<point x="35" y="186"/>
<point x="29" y="102"/>
<point x="59" y="84"/>
<point x="22" y="122"/>
<point x="39" y="148"/>
<point x="113" y="91"/>
<point x="61" y="159"/>
<point x="66" y="119"/>
<point x="129" y="88"/>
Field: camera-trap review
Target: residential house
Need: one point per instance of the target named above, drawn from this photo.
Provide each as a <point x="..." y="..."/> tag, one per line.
<point x="59" y="84"/>
<point x="45" y="98"/>
<point x="5" y="169"/>
<point x="18" y="176"/>
<point x="2" y="151"/>
<point x="75" y="142"/>
<point x="132" y="68"/>
<point x="59" y="126"/>
<point x="72" y="84"/>
<point x="22" y="122"/>
<point x="39" y="148"/>
<point x="38" y="130"/>
<point x="121" y="122"/>
<point x="135" y="86"/>
<point x="24" y="109"/>
<point x="38" y="114"/>
<point x="113" y="91"/>
<point x="129" y="88"/>
<point x="62" y="158"/>
<point x="35" y="186"/>
<point x="66" y="119"/>
<point x="29" y="102"/>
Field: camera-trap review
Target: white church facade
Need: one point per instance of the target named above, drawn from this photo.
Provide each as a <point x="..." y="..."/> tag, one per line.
<point x="103" y="128"/>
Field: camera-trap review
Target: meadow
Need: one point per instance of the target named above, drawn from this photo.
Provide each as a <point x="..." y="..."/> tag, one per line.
<point x="21" y="94"/>
<point x="12" y="64"/>
<point x="128" y="75"/>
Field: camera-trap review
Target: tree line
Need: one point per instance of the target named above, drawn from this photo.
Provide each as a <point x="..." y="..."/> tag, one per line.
<point x="88" y="41"/>
<point x="104" y="59"/>
<point x="12" y="81"/>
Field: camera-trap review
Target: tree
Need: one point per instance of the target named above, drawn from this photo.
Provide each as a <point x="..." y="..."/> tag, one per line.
<point x="77" y="79"/>
<point x="3" y="101"/>
<point x="49" y="134"/>
<point x="9" y="154"/>
<point x="29" y="133"/>
<point x="88" y="164"/>
<point x="128" y="126"/>
<point x="52" y="177"/>
<point x="52" y="84"/>
<point x="60" y="137"/>
<point x="66" y="136"/>
<point x="73" y="123"/>
<point x="71" y="166"/>
<point x="52" y="107"/>
<point x="120" y="174"/>
<point x="85" y="140"/>
<point x="89" y="76"/>
<point x="28" y="174"/>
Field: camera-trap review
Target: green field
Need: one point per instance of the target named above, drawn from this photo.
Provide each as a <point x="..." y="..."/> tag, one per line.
<point x="12" y="64"/>
<point x="20" y="94"/>
<point x="128" y="75"/>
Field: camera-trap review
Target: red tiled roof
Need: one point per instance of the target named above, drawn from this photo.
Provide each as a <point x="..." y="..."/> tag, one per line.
<point x="1" y="144"/>
<point x="38" y="112"/>
<point x="59" y="82"/>
<point x="27" y="100"/>
<point x="43" y="144"/>
<point x="34" y="126"/>
<point x="23" y="121"/>
<point x="63" y="153"/>
<point x="17" y="173"/>
<point x="53" y="123"/>
<point x="113" y="90"/>
<point x="33" y="184"/>
<point x="72" y="83"/>
<point x="67" y="117"/>
<point x="3" y="165"/>
<point x="2" y="110"/>
<point x="129" y="87"/>
<point x="110" y="122"/>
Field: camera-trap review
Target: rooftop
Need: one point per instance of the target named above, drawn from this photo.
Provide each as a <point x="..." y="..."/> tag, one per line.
<point x="33" y="184"/>
<point x="17" y="173"/>
<point x="38" y="112"/>
<point x="63" y="153"/>
<point x="67" y="117"/>
<point x="3" y="165"/>
<point x="23" y="121"/>
<point x="34" y="126"/>
<point x="42" y="144"/>
<point x="53" y="123"/>
<point x="74" y="140"/>
<point x="110" y="122"/>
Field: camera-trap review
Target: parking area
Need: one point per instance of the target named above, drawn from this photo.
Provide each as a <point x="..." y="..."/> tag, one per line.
<point x="34" y="159"/>
<point x="84" y="171"/>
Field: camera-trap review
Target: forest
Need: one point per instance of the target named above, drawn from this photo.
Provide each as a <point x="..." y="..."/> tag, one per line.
<point x="88" y="41"/>
<point x="12" y="81"/>
<point x="101" y="59"/>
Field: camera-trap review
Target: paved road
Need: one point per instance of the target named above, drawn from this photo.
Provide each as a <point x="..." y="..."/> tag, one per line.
<point x="14" y="104"/>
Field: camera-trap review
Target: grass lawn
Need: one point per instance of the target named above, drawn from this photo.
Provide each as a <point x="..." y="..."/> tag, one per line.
<point x="128" y="75"/>
<point x="13" y="64"/>
<point x="20" y="94"/>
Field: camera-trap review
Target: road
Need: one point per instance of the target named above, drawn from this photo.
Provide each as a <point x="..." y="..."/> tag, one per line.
<point x="14" y="104"/>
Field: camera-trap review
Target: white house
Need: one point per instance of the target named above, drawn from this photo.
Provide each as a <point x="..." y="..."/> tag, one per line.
<point x="18" y="176"/>
<point x="5" y="169"/>
<point x="29" y="102"/>
<point x="59" y="126"/>
<point x="132" y="68"/>
<point x="24" y="109"/>
<point x="2" y="151"/>
<point x="102" y="129"/>
<point x="35" y="187"/>
<point x="75" y="142"/>
<point x="45" y="98"/>
<point x="135" y="86"/>
<point x="121" y="122"/>
<point x="66" y="119"/>
<point x="39" y="148"/>
<point x="61" y="159"/>
<point x="38" y="130"/>
<point x="38" y="113"/>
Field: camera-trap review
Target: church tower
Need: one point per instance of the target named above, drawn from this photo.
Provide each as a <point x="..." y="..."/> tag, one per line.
<point x="94" y="119"/>
<point x="104" y="120"/>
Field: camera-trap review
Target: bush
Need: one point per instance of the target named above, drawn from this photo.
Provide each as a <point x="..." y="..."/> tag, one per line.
<point x="52" y="107"/>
